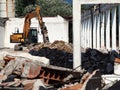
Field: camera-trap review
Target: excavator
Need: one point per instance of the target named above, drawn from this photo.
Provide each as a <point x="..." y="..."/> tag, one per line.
<point x="29" y="35"/>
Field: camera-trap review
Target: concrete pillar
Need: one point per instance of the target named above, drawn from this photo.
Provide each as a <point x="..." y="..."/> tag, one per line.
<point x="98" y="32"/>
<point x="102" y="31"/>
<point x="119" y="24"/>
<point x="82" y="35"/>
<point x="76" y="34"/>
<point x="114" y="28"/>
<point x="94" y="33"/>
<point x="85" y="44"/>
<point x="108" y="29"/>
<point x="90" y="33"/>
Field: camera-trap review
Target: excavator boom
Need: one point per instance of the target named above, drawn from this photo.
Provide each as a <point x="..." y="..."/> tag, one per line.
<point x="27" y="23"/>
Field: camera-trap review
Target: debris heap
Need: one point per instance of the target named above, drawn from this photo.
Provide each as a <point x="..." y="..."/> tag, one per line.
<point x="60" y="53"/>
<point x="93" y="59"/>
<point x="20" y="73"/>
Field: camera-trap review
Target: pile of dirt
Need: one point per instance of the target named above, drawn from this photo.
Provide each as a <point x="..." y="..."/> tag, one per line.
<point x="59" y="45"/>
<point x="59" y="53"/>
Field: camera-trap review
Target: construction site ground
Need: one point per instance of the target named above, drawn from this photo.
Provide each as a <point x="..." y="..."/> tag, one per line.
<point x="50" y="67"/>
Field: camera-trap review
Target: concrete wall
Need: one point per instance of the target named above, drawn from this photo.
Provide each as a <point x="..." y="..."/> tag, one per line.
<point x="2" y="34"/>
<point x="7" y="8"/>
<point x="57" y="28"/>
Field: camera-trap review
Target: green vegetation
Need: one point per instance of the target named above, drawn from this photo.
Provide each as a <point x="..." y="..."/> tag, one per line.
<point x="48" y="7"/>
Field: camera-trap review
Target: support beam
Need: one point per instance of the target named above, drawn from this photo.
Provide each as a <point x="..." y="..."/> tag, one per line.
<point x="98" y="32"/>
<point x="76" y="34"/>
<point x="114" y="28"/>
<point x="82" y="35"/>
<point x="102" y="31"/>
<point x="90" y="32"/>
<point x="85" y="38"/>
<point x="94" y="34"/>
<point x="119" y="24"/>
<point x="108" y="29"/>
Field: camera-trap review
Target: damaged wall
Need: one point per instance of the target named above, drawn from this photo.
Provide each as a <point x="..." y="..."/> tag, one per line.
<point x="57" y="29"/>
<point x="7" y="8"/>
<point x="2" y="33"/>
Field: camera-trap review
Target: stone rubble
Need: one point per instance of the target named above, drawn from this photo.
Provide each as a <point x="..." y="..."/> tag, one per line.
<point x="50" y="66"/>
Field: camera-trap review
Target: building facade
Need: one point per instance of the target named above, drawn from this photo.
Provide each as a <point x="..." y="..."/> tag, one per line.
<point x="7" y="8"/>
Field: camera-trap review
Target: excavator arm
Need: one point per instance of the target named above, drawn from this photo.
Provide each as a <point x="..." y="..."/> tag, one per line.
<point x="27" y="23"/>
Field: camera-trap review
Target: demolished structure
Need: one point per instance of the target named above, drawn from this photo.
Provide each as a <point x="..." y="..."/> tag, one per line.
<point x="22" y="71"/>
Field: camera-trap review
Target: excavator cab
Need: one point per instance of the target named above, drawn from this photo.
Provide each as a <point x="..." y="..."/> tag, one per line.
<point x="33" y="36"/>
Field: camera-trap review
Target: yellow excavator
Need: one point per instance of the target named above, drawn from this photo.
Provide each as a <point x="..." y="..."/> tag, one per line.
<point x="29" y="35"/>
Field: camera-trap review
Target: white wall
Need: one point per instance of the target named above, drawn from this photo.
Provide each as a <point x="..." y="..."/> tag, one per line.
<point x="2" y="37"/>
<point x="57" y="28"/>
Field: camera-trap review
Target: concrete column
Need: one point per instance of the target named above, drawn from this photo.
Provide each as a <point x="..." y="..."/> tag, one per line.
<point x="119" y="24"/>
<point x="98" y="32"/>
<point x="76" y="34"/>
<point x="114" y="28"/>
<point x="102" y="31"/>
<point x="83" y="35"/>
<point x="108" y="29"/>
<point x="90" y="33"/>
<point x="94" y="33"/>
<point x="86" y="33"/>
<point x="82" y="38"/>
<point x="85" y="44"/>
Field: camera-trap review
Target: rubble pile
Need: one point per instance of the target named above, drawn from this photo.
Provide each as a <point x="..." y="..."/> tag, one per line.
<point x="93" y="59"/>
<point x="27" y="74"/>
<point x="60" y="53"/>
<point x="23" y="71"/>
<point x="89" y="81"/>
